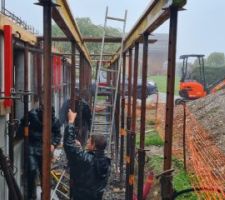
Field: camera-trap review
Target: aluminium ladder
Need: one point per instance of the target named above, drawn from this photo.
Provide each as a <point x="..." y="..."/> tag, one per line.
<point x="103" y="119"/>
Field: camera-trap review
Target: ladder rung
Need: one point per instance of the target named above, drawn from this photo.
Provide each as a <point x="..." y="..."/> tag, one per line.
<point x="104" y="104"/>
<point x="102" y="113"/>
<point x="106" y="87"/>
<point x="100" y="124"/>
<point x="101" y="130"/>
<point x="116" y="19"/>
<point x="108" y="70"/>
<point x="104" y="93"/>
<point x="62" y="194"/>
<point x="102" y="133"/>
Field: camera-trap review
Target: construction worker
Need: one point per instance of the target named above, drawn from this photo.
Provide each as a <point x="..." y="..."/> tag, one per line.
<point x="83" y="119"/>
<point x="35" y="145"/>
<point x="89" y="169"/>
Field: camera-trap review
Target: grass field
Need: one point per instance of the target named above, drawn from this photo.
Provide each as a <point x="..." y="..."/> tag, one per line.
<point x="161" y="83"/>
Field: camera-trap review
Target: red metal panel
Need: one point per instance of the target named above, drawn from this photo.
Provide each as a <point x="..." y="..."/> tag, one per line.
<point x="8" y="59"/>
<point x="59" y="72"/>
<point x="54" y="70"/>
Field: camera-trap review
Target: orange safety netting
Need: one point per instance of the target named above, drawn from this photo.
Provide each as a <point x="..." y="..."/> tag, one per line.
<point x="205" y="160"/>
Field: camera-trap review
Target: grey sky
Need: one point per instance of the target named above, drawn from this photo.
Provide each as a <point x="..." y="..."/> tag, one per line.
<point x="200" y="28"/>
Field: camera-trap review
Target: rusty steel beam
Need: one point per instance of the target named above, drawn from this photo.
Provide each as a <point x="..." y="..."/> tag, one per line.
<point x="117" y="117"/>
<point x="141" y="151"/>
<point x="57" y="39"/>
<point x="133" y="122"/>
<point x="122" y="131"/>
<point x="81" y="74"/>
<point x="63" y="16"/>
<point x="167" y="188"/>
<point x="128" y="126"/>
<point x="73" y="76"/>
<point x="47" y="112"/>
<point x="99" y="39"/>
<point x="105" y="54"/>
<point x="86" y="39"/>
<point x="155" y="15"/>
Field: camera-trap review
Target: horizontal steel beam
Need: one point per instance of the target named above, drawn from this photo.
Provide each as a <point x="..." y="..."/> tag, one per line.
<point x="63" y="17"/>
<point x="155" y="15"/>
<point x="99" y="39"/>
<point x="86" y="39"/>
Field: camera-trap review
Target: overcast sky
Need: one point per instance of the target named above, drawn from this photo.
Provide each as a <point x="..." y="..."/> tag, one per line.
<point x="200" y="27"/>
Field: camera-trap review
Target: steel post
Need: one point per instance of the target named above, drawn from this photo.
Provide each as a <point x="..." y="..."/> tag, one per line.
<point x="73" y="76"/>
<point x="128" y="125"/>
<point x="81" y="75"/>
<point x="26" y="123"/>
<point x="47" y="112"/>
<point x="141" y="153"/>
<point x="133" y="122"/>
<point x="122" y="131"/>
<point x="170" y="102"/>
<point x="117" y="120"/>
<point x="184" y="136"/>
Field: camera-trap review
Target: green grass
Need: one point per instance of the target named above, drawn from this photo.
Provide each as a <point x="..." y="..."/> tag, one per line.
<point x="181" y="180"/>
<point x="151" y="138"/>
<point x="161" y="83"/>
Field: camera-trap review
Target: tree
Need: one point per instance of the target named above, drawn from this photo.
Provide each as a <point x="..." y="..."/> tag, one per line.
<point x="87" y="28"/>
<point x="215" y="59"/>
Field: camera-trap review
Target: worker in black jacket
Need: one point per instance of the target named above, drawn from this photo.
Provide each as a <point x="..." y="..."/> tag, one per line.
<point x="35" y="145"/>
<point x="83" y="119"/>
<point x="89" y="170"/>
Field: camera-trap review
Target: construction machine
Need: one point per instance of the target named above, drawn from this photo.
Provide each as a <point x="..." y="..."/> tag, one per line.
<point x="194" y="85"/>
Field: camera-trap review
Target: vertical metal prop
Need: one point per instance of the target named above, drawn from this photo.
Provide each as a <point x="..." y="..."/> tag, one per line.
<point x="81" y="80"/>
<point x="11" y="128"/>
<point x="168" y="190"/>
<point x="26" y="123"/>
<point x="39" y="74"/>
<point x="117" y="120"/>
<point x="73" y="76"/>
<point x="128" y="125"/>
<point x="141" y="151"/>
<point x="47" y="119"/>
<point x="133" y="122"/>
<point x="122" y="131"/>
<point x="184" y="136"/>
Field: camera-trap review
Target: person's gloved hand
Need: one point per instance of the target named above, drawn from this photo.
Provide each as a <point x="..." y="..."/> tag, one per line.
<point x="71" y="116"/>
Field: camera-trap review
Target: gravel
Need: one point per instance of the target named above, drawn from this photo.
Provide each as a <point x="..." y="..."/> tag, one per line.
<point x="210" y="112"/>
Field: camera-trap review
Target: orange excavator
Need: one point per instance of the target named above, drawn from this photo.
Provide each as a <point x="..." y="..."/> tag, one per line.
<point x="192" y="86"/>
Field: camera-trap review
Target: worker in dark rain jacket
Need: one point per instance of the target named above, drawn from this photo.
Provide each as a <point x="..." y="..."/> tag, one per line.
<point x="89" y="170"/>
<point x="35" y="145"/>
<point x="83" y="119"/>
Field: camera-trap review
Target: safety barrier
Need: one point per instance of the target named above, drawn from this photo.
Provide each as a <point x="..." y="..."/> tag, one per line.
<point x="205" y="161"/>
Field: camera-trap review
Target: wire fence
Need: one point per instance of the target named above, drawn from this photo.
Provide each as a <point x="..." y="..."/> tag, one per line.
<point x="205" y="161"/>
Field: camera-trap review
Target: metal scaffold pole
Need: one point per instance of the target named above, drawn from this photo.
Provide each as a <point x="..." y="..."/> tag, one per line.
<point x="166" y="179"/>
<point x="47" y="122"/>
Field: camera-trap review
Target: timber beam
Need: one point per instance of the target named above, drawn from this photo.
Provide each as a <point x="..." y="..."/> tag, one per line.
<point x="63" y="16"/>
<point x="155" y="15"/>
